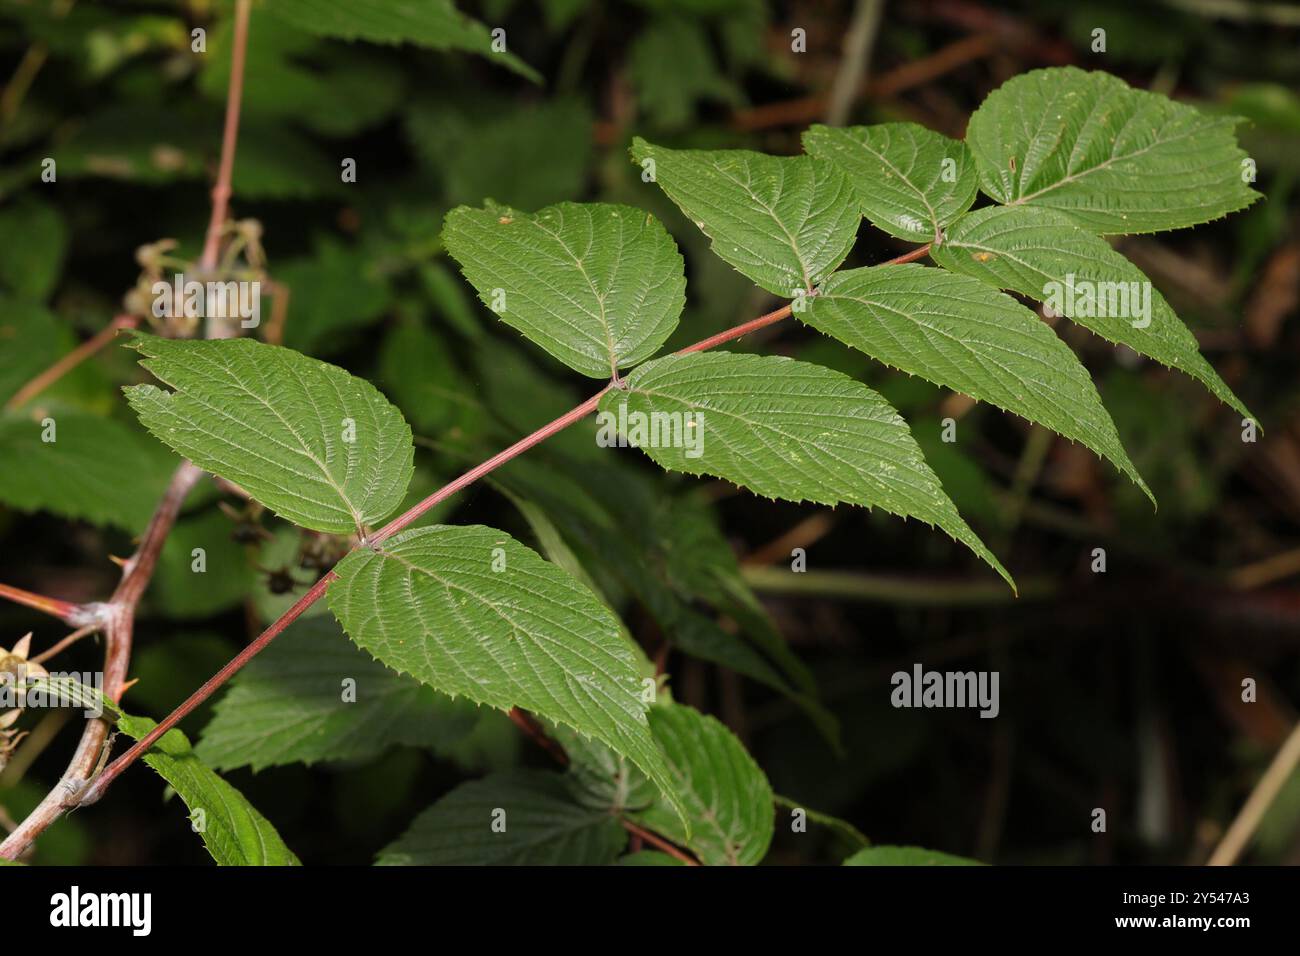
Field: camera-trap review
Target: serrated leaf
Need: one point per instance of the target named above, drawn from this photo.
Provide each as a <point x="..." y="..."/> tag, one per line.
<point x="1028" y="250"/>
<point x="429" y="603"/>
<point x="290" y="705"/>
<point x="668" y="553"/>
<point x="906" y="856"/>
<point x="600" y="778"/>
<point x="959" y="333"/>
<point x="435" y="24"/>
<point x="278" y="424"/>
<point x="909" y="181"/>
<point x="96" y="469"/>
<point x="517" y="818"/>
<point x="792" y="430"/>
<point x="785" y="222"/>
<point x="232" y="829"/>
<point x="1115" y="159"/>
<point x="726" y="794"/>
<point x="597" y="285"/>
<point x="668" y="97"/>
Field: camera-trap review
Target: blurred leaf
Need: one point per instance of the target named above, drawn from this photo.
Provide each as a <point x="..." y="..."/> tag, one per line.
<point x="435" y="24"/>
<point x="182" y="592"/>
<point x="96" y="469"/>
<point x="520" y="818"/>
<point x="668" y="96"/>
<point x="312" y="696"/>
<point x="35" y="240"/>
<point x="330" y="294"/>
<point x="521" y="155"/>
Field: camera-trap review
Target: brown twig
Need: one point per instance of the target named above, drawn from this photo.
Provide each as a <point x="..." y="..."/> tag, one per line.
<point x="655" y="840"/>
<point x="70" y="361"/>
<point x="117" y="619"/>
<point x="68" y="641"/>
<point x="229" y="138"/>
<point x="807" y="109"/>
<point x="1243" y="828"/>
<point x="397" y="524"/>
<point x="529" y="726"/>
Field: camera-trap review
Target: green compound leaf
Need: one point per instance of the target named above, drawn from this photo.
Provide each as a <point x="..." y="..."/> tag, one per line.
<point x="597" y="285"/>
<point x="471" y="612"/>
<point x="784" y="222"/>
<point x="788" y="429"/>
<point x="318" y="446"/>
<point x="726" y="794"/>
<point x="1043" y="254"/>
<point x="233" y="831"/>
<point x="910" y="181"/>
<point x="957" y="332"/>
<point x="435" y="24"/>
<point x="906" y="856"/>
<point x="293" y="703"/>
<point x="516" y="818"/>
<point x="1115" y="159"/>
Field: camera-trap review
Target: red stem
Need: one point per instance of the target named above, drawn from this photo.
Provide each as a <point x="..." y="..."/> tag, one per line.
<point x="230" y="135"/>
<point x="496" y="461"/>
<point x="111" y="772"/>
<point x="402" y="521"/>
<point x="65" y="611"/>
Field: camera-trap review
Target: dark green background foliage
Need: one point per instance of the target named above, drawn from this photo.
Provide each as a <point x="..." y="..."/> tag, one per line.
<point x="1118" y="690"/>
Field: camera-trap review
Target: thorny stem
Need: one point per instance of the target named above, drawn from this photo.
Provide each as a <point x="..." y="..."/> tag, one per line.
<point x="117" y="620"/>
<point x="117" y="616"/>
<point x="96" y="789"/>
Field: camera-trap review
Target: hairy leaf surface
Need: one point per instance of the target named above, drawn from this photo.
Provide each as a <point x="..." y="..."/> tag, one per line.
<point x="1043" y="254"/>
<point x="792" y="430"/>
<point x="318" y="446"/>
<point x="471" y="612"/>
<point x="959" y="333"/>
<point x="785" y="222"/>
<point x="597" y="285"/>
<point x="909" y="181"/>
<point x="1115" y="159"/>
